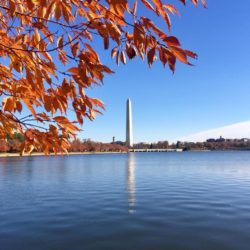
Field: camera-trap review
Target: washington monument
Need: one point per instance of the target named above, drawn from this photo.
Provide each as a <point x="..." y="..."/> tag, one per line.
<point x="129" y="129"/>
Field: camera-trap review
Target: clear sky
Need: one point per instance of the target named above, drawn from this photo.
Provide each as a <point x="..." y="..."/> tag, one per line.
<point x="214" y="93"/>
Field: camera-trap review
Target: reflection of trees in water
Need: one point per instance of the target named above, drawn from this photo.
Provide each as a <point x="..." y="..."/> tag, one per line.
<point x="31" y="167"/>
<point x="14" y="165"/>
<point x="131" y="182"/>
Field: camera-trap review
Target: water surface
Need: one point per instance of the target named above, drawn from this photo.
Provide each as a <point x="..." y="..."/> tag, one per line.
<point x="156" y="201"/>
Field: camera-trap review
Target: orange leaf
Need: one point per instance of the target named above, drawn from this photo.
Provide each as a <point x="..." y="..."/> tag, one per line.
<point x="106" y="42"/>
<point x="151" y="56"/>
<point x="148" y="5"/>
<point x="29" y="106"/>
<point x="123" y="57"/>
<point x="19" y="106"/>
<point x="60" y="42"/>
<point x="8" y="104"/>
<point x="171" y="41"/>
<point x="12" y="6"/>
<point x="113" y="52"/>
<point x="179" y="54"/>
<point x="171" y="9"/>
<point x="134" y="7"/>
<point x="75" y="49"/>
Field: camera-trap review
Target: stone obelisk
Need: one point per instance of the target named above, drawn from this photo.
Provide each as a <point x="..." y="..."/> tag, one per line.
<point x="129" y="130"/>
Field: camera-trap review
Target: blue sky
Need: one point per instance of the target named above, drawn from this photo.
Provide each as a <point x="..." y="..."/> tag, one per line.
<point x="214" y="93"/>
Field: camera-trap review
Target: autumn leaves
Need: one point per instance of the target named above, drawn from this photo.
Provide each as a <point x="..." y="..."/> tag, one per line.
<point x="146" y="39"/>
<point x="49" y="60"/>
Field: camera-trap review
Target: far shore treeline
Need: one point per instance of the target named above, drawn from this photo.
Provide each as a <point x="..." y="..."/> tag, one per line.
<point x="13" y="145"/>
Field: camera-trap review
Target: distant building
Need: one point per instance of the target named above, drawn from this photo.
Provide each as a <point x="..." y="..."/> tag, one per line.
<point x="245" y="140"/>
<point x="86" y="139"/>
<point x="211" y="140"/>
<point x="221" y="139"/>
<point x="120" y="143"/>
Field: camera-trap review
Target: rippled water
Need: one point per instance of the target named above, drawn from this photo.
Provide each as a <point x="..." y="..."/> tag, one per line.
<point x="137" y="201"/>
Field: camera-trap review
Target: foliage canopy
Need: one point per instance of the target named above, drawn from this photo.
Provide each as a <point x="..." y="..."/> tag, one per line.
<point x="47" y="60"/>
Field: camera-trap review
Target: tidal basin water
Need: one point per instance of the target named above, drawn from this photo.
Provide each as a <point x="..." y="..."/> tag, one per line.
<point x="156" y="201"/>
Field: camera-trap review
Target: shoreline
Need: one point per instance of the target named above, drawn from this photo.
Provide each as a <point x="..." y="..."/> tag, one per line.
<point x="3" y="155"/>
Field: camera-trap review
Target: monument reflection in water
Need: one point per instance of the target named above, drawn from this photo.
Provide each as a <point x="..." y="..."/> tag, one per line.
<point x="131" y="182"/>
